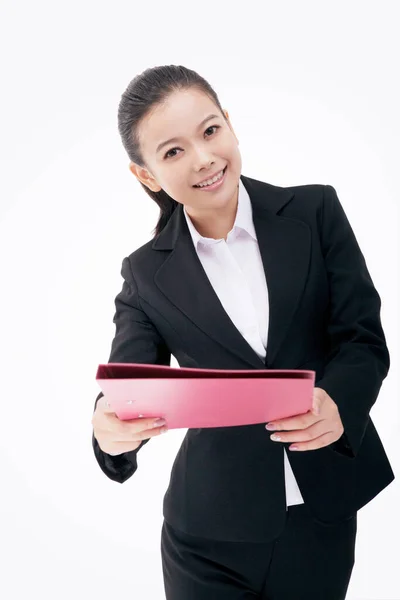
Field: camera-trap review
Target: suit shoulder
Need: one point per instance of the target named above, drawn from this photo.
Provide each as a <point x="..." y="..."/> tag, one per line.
<point x="304" y="202"/>
<point x="307" y="199"/>
<point x="308" y="191"/>
<point x="307" y="194"/>
<point x="144" y="261"/>
<point x="140" y="254"/>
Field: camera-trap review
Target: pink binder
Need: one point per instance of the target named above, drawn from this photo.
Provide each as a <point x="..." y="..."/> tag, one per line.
<point x="191" y="398"/>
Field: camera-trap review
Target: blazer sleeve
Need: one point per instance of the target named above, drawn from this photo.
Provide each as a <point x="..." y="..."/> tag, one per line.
<point x="136" y="340"/>
<point x="358" y="359"/>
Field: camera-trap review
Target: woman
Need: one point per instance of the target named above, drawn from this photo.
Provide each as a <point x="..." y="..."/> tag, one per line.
<point x="244" y="274"/>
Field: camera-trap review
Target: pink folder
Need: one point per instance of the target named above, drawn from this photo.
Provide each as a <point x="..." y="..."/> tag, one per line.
<point x="191" y="398"/>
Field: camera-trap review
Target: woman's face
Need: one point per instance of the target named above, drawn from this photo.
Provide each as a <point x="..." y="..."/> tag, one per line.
<point x="199" y="151"/>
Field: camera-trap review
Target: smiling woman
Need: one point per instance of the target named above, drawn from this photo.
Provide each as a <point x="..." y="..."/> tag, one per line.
<point x="180" y="147"/>
<point x="213" y="181"/>
<point x="246" y="274"/>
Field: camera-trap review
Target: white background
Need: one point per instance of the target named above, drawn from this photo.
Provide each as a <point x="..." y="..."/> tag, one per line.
<point x="312" y="92"/>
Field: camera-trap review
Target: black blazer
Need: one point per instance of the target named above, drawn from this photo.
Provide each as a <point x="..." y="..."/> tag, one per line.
<point x="227" y="483"/>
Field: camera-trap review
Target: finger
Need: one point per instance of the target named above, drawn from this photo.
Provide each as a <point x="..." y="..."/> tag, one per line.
<point x="320" y="442"/>
<point x="122" y="430"/>
<point x="140" y="422"/>
<point x="302" y="435"/>
<point x="297" y="422"/>
<point x="121" y="435"/>
<point x="147" y="433"/>
<point x="106" y="405"/>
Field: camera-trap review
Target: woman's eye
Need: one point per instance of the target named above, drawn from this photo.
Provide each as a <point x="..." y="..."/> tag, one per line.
<point x="166" y="155"/>
<point x="212" y="126"/>
<point x="172" y="149"/>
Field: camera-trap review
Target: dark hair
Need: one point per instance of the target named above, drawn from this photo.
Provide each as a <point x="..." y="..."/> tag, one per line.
<point x="143" y="93"/>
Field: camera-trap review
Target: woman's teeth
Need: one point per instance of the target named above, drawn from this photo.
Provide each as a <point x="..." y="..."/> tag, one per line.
<point x="210" y="181"/>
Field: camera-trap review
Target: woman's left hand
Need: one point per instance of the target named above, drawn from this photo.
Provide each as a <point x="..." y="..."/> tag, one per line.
<point x="317" y="428"/>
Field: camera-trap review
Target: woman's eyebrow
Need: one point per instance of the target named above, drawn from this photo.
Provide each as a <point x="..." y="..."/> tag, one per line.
<point x="175" y="139"/>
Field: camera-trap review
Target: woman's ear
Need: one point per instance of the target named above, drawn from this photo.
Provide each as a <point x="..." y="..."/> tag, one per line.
<point x="144" y="176"/>
<point x="229" y="124"/>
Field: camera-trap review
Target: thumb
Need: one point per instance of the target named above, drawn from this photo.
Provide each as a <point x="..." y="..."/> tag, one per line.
<point x="316" y="407"/>
<point x="106" y="405"/>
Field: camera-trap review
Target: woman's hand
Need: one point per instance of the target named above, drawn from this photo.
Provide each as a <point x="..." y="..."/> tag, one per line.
<point x="317" y="428"/>
<point x="116" y="436"/>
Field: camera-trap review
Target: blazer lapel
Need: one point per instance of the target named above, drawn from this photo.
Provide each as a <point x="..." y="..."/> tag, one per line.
<point x="284" y="247"/>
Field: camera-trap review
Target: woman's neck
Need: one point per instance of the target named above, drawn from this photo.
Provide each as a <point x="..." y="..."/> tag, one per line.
<point x="218" y="224"/>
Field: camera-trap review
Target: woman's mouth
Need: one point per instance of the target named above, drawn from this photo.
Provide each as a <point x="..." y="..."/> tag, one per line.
<point x="215" y="184"/>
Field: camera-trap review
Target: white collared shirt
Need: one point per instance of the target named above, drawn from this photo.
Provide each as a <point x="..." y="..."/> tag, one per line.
<point x="235" y="270"/>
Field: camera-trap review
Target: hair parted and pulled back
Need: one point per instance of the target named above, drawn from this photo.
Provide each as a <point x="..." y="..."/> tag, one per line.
<point x="146" y="91"/>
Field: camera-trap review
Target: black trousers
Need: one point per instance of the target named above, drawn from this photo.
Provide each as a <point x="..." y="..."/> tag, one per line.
<point x="307" y="561"/>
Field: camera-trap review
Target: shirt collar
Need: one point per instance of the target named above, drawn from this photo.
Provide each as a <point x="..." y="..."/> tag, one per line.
<point x="243" y="220"/>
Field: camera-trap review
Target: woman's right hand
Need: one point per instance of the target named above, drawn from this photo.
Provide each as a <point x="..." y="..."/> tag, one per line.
<point x="116" y="436"/>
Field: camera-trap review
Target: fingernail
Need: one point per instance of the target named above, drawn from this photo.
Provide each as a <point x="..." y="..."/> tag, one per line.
<point x="293" y="448"/>
<point x="270" y="426"/>
<point x="159" y="422"/>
